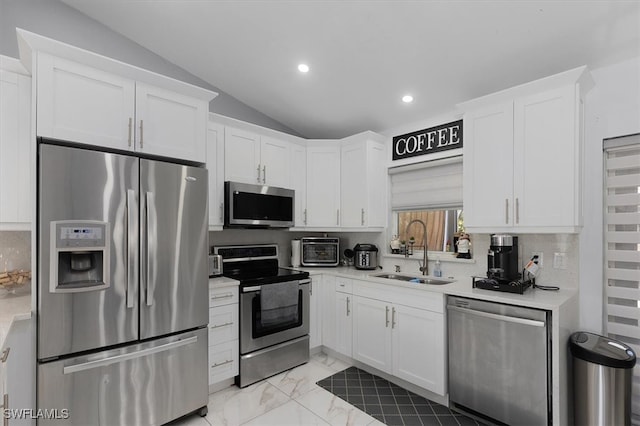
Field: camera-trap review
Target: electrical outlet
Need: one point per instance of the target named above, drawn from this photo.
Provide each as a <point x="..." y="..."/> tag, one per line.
<point x="540" y="257"/>
<point x="560" y="260"/>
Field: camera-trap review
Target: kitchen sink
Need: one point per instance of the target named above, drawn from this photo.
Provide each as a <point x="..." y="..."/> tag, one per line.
<point x="417" y="280"/>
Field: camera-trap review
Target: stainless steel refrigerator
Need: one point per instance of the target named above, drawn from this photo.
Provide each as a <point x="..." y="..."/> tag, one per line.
<point x="122" y="288"/>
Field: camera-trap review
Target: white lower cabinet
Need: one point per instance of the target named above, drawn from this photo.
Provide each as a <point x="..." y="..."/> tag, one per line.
<point x="17" y="375"/>
<point x="401" y="333"/>
<point x="223" y="334"/>
<point x="315" y="315"/>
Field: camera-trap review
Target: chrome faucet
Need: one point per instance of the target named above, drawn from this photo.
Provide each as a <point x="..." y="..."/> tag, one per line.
<point x="424" y="268"/>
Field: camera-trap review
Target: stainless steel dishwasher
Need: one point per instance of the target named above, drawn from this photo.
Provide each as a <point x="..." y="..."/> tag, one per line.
<point x="499" y="361"/>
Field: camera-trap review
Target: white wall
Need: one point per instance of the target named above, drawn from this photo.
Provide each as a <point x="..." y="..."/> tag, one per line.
<point x="612" y="109"/>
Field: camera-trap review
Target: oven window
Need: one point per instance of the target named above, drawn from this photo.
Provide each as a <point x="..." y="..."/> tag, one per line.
<point x="259" y="330"/>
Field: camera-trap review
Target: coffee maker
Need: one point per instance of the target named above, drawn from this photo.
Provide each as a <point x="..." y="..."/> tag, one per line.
<point x="502" y="259"/>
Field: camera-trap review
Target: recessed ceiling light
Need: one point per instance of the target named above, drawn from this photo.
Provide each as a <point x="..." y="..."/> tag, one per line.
<point x="303" y="68"/>
<point x="407" y="99"/>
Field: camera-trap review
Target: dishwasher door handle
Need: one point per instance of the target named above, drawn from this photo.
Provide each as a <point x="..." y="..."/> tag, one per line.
<point x="498" y="317"/>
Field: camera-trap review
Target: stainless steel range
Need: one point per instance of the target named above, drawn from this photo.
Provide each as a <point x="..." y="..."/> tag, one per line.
<point x="274" y="311"/>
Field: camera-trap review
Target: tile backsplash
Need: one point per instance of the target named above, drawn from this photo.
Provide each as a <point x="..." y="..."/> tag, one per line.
<point x="15" y="250"/>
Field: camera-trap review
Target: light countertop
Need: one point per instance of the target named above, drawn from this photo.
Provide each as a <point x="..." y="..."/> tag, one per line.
<point x="13" y="308"/>
<point x="462" y="286"/>
<point x="222" y="282"/>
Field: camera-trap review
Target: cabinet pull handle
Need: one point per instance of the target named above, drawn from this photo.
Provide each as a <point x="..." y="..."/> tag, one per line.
<point x="5" y="355"/>
<point x="348" y="310"/>
<point x="311" y="288"/>
<point x="264" y="174"/>
<point x="393" y="317"/>
<point x="221" y="212"/>
<point x="226" y="324"/>
<point x="517" y="211"/>
<point x="362" y="217"/>
<point x="337" y="216"/>
<point x="141" y="137"/>
<point x="386" y="316"/>
<point x="506" y="210"/>
<point x="224" y="296"/>
<point x="305" y="216"/>
<point x="229" y="361"/>
<point x="258" y="173"/>
<point x="130" y="126"/>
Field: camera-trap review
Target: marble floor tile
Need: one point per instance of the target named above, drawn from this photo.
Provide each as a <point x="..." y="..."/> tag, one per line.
<point x="331" y="362"/>
<point x="301" y="379"/>
<point x="333" y="409"/>
<point x="235" y="406"/>
<point x="291" y="413"/>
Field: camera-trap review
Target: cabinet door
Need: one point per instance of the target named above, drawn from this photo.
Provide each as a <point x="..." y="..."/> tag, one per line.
<point x="344" y="323"/>
<point x="328" y="310"/>
<point x="546" y="160"/>
<point x="170" y="124"/>
<point x="215" y="165"/>
<point x="323" y="186"/>
<point x="299" y="182"/>
<point x="275" y="156"/>
<point x="315" y="314"/>
<point x="419" y="347"/>
<point x="488" y="167"/>
<point x="354" y="184"/>
<point x="241" y="156"/>
<point x="375" y="214"/>
<point x="15" y="150"/>
<point x="371" y="332"/>
<point x="19" y="369"/>
<point x="82" y="104"/>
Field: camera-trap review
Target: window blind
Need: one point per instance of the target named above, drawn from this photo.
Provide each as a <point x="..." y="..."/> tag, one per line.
<point x="622" y="249"/>
<point x="430" y="184"/>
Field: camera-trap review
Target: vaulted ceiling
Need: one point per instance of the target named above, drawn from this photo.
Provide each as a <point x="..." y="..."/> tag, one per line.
<point x="365" y="55"/>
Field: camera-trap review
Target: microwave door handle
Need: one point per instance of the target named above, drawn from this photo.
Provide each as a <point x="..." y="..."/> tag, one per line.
<point x="151" y="246"/>
<point x="132" y="246"/>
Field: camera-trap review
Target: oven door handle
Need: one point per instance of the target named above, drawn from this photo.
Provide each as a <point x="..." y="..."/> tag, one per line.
<point x="258" y="287"/>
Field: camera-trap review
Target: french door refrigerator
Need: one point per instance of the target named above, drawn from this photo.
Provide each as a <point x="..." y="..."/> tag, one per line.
<point x="122" y="288"/>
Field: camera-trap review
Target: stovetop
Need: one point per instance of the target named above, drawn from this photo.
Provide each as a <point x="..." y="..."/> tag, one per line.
<point x="256" y="265"/>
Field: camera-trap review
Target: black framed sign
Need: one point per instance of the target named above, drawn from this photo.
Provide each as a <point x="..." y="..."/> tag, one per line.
<point x="427" y="141"/>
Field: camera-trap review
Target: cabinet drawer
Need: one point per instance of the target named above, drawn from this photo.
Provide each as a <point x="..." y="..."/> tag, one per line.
<point x="223" y="296"/>
<point x="415" y="298"/>
<point x="223" y="324"/>
<point x="344" y="285"/>
<point x="223" y="361"/>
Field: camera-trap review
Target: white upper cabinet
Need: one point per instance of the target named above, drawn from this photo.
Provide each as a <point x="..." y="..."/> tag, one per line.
<point x="323" y="184"/>
<point x="298" y="168"/>
<point x="215" y="166"/>
<point x="15" y="151"/>
<point x="170" y="124"/>
<point x="363" y="182"/>
<point x="257" y="159"/>
<point x="83" y="104"/>
<point x="241" y="156"/>
<point x="523" y="157"/>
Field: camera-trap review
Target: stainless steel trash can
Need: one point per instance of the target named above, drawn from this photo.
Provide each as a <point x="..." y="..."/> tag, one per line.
<point x="602" y="372"/>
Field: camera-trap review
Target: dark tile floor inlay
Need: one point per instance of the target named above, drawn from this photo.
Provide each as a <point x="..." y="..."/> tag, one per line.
<point x="389" y="403"/>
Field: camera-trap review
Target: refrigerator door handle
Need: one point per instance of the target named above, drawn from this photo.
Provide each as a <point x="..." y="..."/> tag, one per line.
<point x="132" y="246"/>
<point x="151" y="244"/>
<point x="70" y="369"/>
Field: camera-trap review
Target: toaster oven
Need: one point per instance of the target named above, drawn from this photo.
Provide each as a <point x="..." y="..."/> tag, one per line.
<point x="320" y="251"/>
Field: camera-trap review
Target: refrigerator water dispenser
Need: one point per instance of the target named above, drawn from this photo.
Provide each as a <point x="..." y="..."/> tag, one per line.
<point x="79" y="256"/>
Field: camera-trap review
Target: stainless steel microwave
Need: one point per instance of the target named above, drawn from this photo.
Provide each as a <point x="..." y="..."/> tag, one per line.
<point x="257" y="206"/>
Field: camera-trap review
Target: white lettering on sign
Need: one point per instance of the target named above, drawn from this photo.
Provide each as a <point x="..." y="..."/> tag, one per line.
<point x="439" y="138"/>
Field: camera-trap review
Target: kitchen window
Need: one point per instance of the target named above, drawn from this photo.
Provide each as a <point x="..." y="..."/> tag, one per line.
<point x="431" y="192"/>
<point x="622" y="248"/>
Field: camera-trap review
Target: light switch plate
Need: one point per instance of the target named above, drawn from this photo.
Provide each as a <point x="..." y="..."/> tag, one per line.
<point x="560" y="260"/>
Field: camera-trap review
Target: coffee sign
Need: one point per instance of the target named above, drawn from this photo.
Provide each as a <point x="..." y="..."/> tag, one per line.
<point x="434" y="139"/>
